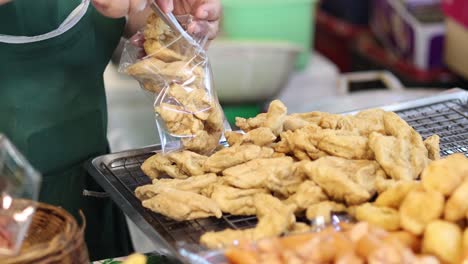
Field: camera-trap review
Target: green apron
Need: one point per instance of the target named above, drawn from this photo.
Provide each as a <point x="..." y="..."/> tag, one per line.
<point x="53" y="108"/>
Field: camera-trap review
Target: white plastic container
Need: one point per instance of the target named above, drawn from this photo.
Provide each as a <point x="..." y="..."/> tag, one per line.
<point x="247" y="71"/>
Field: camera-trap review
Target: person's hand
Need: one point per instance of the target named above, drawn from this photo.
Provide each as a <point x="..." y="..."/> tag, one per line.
<point x="206" y="13"/>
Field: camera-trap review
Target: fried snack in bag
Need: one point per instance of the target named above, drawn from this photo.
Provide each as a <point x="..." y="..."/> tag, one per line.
<point x="176" y="72"/>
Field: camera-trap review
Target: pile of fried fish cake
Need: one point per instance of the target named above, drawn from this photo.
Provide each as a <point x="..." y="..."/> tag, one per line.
<point x="282" y="167"/>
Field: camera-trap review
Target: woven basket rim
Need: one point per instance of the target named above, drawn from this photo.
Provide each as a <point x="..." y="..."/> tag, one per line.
<point x="69" y="240"/>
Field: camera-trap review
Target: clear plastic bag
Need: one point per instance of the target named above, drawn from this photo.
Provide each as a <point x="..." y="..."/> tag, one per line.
<point x="19" y="187"/>
<point x="176" y="71"/>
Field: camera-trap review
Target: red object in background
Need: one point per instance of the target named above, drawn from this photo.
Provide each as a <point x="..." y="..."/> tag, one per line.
<point x="335" y="39"/>
<point x="456" y="9"/>
<point x="366" y="46"/>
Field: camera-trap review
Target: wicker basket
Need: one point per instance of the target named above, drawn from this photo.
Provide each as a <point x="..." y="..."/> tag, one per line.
<point x="53" y="237"/>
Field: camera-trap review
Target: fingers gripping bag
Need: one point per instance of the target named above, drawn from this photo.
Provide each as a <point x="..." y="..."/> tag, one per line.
<point x="175" y="70"/>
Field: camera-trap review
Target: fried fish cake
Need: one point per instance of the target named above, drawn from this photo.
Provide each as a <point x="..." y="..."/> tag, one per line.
<point x="192" y="184"/>
<point x="384" y="217"/>
<point x="444" y="240"/>
<point x="235" y="155"/>
<point x="395" y="195"/>
<point x="182" y="205"/>
<point x="419" y="208"/>
<point x="432" y="144"/>
<point x="398" y="157"/>
<point x="446" y="174"/>
<point x="235" y="201"/>
<point x="457" y="204"/>
<point x="307" y="194"/>
<point x="350" y="181"/>
<point x="324" y="209"/>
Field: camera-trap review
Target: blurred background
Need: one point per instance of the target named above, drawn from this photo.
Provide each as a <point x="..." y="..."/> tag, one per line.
<point x="329" y="55"/>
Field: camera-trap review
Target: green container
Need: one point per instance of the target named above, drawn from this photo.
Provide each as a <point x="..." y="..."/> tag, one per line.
<point x="285" y="20"/>
<point x="245" y="111"/>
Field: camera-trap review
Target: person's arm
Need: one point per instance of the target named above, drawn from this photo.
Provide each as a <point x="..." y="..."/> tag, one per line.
<point x="4" y="1"/>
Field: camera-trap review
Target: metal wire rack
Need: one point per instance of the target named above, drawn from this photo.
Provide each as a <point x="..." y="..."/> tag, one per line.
<point x="120" y="173"/>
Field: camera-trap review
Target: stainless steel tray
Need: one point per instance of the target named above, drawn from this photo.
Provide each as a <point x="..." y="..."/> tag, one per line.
<point x="119" y="173"/>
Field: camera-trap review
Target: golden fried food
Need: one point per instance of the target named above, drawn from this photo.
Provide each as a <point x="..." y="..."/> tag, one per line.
<point x="446" y="174"/>
<point x="432" y="144"/>
<point x="178" y="121"/>
<point x="382" y="184"/>
<point x="234" y="138"/>
<point x="276" y="114"/>
<point x="346" y="146"/>
<point x="314" y="142"/>
<point x="193" y="184"/>
<point x="324" y="209"/>
<point x="297" y="121"/>
<point x="444" y="240"/>
<point x="194" y="101"/>
<point x="394" y="196"/>
<point x="178" y="165"/>
<point x="307" y="194"/>
<point x="398" y="157"/>
<point x="272" y="119"/>
<point x="182" y="205"/>
<point x="365" y="122"/>
<point x="456" y="207"/>
<point x="159" y="164"/>
<point x="225" y="238"/>
<point x="274" y="219"/>
<point x="202" y="142"/>
<point x="150" y="168"/>
<point x="350" y="181"/>
<point x="188" y="162"/>
<point x="299" y="228"/>
<point x="251" y="123"/>
<point x="419" y="208"/>
<point x="235" y="155"/>
<point x="274" y="216"/>
<point x="235" y="201"/>
<point x="160" y="40"/>
<point x="465" y="244"/>
<point x="256" y="173"/>
<point x="261" y="136"/>
<point x="384" y="217"/>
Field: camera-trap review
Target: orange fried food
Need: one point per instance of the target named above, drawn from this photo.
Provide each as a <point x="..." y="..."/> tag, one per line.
<point x="456" y="207"/>
<point x="419" y="208"/>
<point x="384" y="217"/>
<point x="395" y="195"/>
<point x="444" y="240"/>
<point x="446" y="174"/>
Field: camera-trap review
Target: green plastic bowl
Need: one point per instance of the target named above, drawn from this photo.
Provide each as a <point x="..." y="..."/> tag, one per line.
<point x="285" y="20"/>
